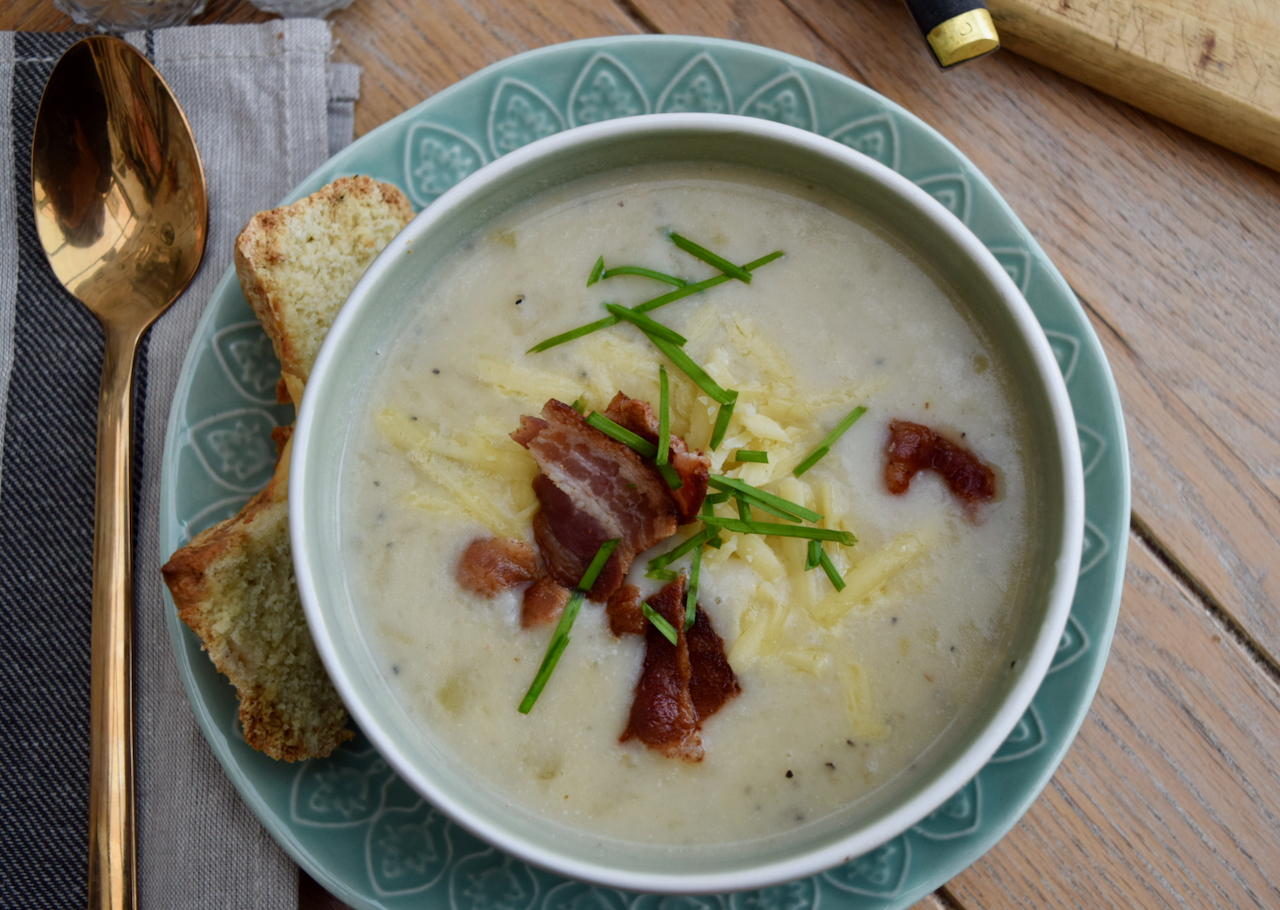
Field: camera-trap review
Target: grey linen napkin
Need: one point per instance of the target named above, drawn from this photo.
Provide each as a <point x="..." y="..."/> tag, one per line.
<point x="267" y="108"/>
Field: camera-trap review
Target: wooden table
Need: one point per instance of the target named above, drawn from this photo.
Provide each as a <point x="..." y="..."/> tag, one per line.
<point x="1170" y="796"/>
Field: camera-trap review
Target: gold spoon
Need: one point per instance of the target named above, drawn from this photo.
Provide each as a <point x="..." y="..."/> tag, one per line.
<point x="122" y="213"/>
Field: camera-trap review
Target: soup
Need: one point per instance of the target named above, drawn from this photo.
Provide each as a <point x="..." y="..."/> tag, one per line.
<point x="841" y="690"/>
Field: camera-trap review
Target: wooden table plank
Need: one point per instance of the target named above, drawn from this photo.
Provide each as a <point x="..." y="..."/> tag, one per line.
<point x="1168" y="796"/>
<point x="1210" y="66"/>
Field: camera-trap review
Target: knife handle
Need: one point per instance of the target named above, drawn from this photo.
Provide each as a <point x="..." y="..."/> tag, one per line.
<point x="956" y="30"/>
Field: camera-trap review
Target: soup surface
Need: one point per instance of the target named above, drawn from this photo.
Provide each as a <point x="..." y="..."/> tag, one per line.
<point x="841" y="690"/>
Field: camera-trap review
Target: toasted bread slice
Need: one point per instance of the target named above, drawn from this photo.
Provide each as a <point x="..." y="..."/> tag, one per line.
<point x="234" y="586"/>
<point x="234" y="583"/>
<point x="298" y="263"/>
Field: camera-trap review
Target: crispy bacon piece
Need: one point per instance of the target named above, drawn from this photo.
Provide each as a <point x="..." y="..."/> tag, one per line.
<point x="713" y="682"/>
<point x="914" y="447"/>
<point x="624" y="612"/>
<point x="693" y="468"/>
<point x="494" y="564"/>
<point x="591" y="489"/>
<point x="681" y="685"/>
<point x="544" y="601"/>
<point x="662" y="713"/>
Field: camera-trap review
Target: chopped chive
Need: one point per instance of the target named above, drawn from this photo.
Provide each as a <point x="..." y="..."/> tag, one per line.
<point x="815" y="553"/>
<point x="559" y="641"/>
<point x="763" y="260"/>
<point x="765" y="507"/>
<point x="672" y="296"/>
<point x="676" y="552"/>
<point x="643" y="273"/>
<point x="825" y="446"/>
<point x="687" y="291"/>
<point x="773" y="529"/>
<point x="752" y="455"/>
<point x="572" y="334"/>
<point x="709" y="508"/>
<point x="650" y="327"/>
<point x="710" y="258"/>
<point x="761" y="497"/>
<point x="814" y="457"/>
<point x="691" y="369"/>
<point x="579" y="405"/>
<point x="635" y="443"/>
<point x="662" y="574"/>
<point x="560" y="638"/>
<point x="664" y="416"/>
<point x="744" y="507"/>
<point x="548" y="666"/>
<point x="715" y="499"/>
<point x="670" y="476"/>
<point x="691" y="598"/>
<point x="622" y="434"/>
<point x="663" y="300"/>
<point x="597" y="272"/>
<point x="659" y="622"/>
<point x="722" y="420"/>
<point x="597" y="564"/>
<point x="827" y="566"/>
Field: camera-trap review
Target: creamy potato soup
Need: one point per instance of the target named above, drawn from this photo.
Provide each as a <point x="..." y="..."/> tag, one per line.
<point x="840" y="690"/>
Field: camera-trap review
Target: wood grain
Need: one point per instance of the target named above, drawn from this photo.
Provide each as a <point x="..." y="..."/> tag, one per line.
<point x="1167" y="796"/>
<point x="1210" y="66"/>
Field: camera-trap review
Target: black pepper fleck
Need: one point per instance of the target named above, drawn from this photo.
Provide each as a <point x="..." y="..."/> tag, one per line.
<point x="953" y="647"/>
<point x="520" y="300"/>
<point x="894" y="620"/>
<point x="789" y="774"/>
<point x="436" y="372"/>
<point x="395" y="669"/>
<point x="831" y="765"/>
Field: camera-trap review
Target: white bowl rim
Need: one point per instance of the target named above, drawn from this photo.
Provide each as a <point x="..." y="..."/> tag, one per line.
<point x="924" y="801"/>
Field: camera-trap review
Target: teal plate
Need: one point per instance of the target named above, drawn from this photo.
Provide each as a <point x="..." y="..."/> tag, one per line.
<point x="348" y="819"/>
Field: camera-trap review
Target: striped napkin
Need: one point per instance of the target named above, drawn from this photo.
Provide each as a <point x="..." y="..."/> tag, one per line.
<point x="267" y="108"/>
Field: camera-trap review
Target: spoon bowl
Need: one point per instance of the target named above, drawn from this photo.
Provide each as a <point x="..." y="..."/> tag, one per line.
<point x="122" y="212"/>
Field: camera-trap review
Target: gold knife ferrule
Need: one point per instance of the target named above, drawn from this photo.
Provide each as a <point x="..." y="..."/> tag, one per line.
<point x="964" y="37"/>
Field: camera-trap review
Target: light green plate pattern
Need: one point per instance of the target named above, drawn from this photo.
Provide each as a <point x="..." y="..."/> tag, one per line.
<point x="348" y="820"/>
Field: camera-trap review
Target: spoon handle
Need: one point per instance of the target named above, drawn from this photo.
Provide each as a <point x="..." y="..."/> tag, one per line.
<point x="112" y="861"/>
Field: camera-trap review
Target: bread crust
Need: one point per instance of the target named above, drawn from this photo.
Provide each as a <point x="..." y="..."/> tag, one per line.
<point x="234" y="587"/>
<point x="347" y="223"/>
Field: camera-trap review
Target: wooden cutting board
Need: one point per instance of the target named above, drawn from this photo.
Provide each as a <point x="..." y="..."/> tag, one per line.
<point x="1210" y="66"/>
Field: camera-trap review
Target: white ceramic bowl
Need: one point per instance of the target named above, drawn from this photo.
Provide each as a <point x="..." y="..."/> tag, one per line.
<point x="903" y="210"/>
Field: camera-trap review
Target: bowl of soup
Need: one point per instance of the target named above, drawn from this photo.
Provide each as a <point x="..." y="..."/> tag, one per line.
<point x="686" y="503"/>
